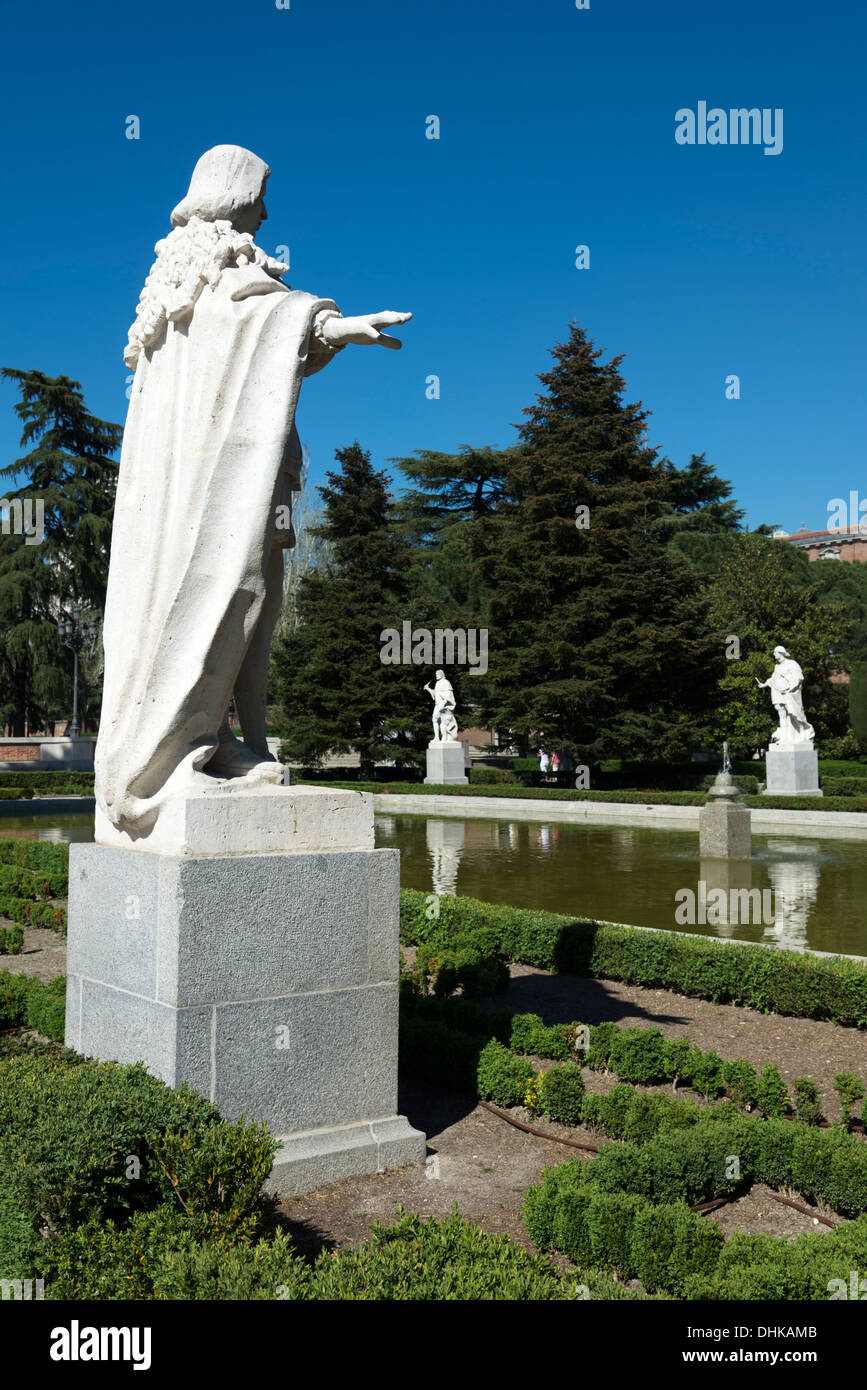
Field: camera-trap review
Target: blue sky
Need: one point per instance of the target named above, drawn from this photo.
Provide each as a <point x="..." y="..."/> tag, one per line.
<point x="557" y="129"/>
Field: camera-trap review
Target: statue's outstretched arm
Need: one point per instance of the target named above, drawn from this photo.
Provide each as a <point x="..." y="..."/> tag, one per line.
<point x="363" y="330"/>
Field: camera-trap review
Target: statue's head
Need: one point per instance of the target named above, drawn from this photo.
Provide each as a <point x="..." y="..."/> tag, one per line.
<point x="780" y="654"/>
<point x="441" y="675"/>
<point x="214" y="228"/>
<point x="228" y="184"/>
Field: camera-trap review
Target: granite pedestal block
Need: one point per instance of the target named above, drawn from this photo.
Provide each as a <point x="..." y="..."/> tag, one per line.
<point x="724" y="831"/>
<point x="267" y="982"/>
<point x="792" y="772"/>
<point x="445" y="764"/>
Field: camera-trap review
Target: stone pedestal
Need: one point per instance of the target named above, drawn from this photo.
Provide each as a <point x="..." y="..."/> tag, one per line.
<point x="724" y="831"/>
<point x="265" y="979"/>
<point x="723" y="824"/>
<point x="445" y="764"/>
<point x="792" y="772"/>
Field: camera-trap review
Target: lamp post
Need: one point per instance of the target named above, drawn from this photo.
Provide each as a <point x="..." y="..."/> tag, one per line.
<point x="75" y="634"/>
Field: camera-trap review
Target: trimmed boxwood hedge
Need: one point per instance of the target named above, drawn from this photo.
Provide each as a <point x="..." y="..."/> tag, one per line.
<point x="759" y="977"/>
<point x="49" y="781"/>
<point x="671" y="1249"/>
<point x="626" y="1210"/>
<point x="26" y="1000"/>
<point x="117" y="1187"/>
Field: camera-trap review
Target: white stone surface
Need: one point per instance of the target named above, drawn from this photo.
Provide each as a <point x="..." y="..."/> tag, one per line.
<point x="445" y="763"/>
<point x="445" y="725"/>
<point x="792" y="772"/>
<point x="786" y="686"/>
<point x="848" y="825"/>
<point x="210" y="456"/>
<point x="241" y="818"/>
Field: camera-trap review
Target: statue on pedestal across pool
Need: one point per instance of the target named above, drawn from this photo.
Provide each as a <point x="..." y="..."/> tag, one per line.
<point x="786" y="686"/>
<point x="219" y="346"/>
<point x="445" y="726"/>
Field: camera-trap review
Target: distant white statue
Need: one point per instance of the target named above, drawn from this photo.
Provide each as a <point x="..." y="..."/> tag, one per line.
<point x="445" y="726"/>
<point x="219" y="347"/>
<point x="785" y="684"/>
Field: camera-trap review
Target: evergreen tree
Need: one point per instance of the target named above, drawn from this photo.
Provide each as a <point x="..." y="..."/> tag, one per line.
<point x="599" y="640"/>
<point x="69" y="472"/>
<point x="763" y="598"/>
<point x="334" y="691"/>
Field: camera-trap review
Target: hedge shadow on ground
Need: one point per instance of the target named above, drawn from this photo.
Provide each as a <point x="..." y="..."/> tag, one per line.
<point x="565" y="998"/>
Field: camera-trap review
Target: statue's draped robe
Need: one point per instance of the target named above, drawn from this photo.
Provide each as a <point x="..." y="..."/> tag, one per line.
<point x="787" y="681"/>
<point x="209" y="447"/>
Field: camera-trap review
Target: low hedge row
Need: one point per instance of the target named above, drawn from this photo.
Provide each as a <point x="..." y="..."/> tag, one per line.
<point x="49" y="781"/>
<point x="26" y="1000"/>
<point x="824" y="1164"/>
<point x="645" y="1057"/>
<point x="675" y="1152"/>
<point x="626" y="1211"/>
<point x="672" y="1249"/>
<point x="11" y="941"/>
<point x="41" y="856"/>
<point x="35" y="914"/>
<point x="164" y="1254"/>
<point x="770" y="980"/>
<point x="16" y="793"/>
<point x="118" y="1187"/>
<point x="638" y="1055"/>
<point x="33" y="883"/>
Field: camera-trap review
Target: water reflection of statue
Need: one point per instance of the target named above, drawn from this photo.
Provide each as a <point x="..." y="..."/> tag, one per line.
<point x="785" y="684"/>
<point x="796" y="890"/>
<point x="445" y="843"/>
<point x="445" y="726"/>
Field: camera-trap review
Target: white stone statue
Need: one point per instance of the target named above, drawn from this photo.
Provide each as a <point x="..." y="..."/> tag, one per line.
<point x="445" y="726"/>
<point x="220" y="346"/>
<point x="785" y="684"/>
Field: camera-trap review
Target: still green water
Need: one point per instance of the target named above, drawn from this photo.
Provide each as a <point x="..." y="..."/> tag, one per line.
<point x="811" y="892"/>
<point x="814" y="890"/>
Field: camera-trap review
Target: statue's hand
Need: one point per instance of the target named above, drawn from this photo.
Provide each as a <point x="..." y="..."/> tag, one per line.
<point x="363" y="330"/>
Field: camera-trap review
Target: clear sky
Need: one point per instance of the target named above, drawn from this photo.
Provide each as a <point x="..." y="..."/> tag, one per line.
<point x="557" y="129"/>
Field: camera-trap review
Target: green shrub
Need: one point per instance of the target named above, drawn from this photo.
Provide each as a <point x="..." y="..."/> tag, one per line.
<point x="741" y="1083"/>
<point x="808" y="1105"/>
<point x="438" y="1260"/>
<point x="84" y="1141"/>
<point x="604" y="1038"/>
<point x="502" y="1077"/>
<point x="787" y="982"/>
<point x="472" y="964"/>
<point x="11" y="941"/>
<point x="437" y="1053"/>
<point x="529" y="1035"/>
<point x="492" y="777"/>
<point x="849" y="1089"/>
<point x="772" y="1097"/>
<point x="671" y="1246"/>
<point x="563" y="1093"/>
<point x="26" y="1000"/>
<point x="463" y="1015"/>
<point x="639" y="1055"/>
<point x="706" y="1071"/>
<point x="625" y="1210"/>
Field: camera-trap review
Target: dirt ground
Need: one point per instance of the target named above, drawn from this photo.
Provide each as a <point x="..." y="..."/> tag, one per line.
<point x="483" y="1165"/>
<point x="44" y="954"/>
